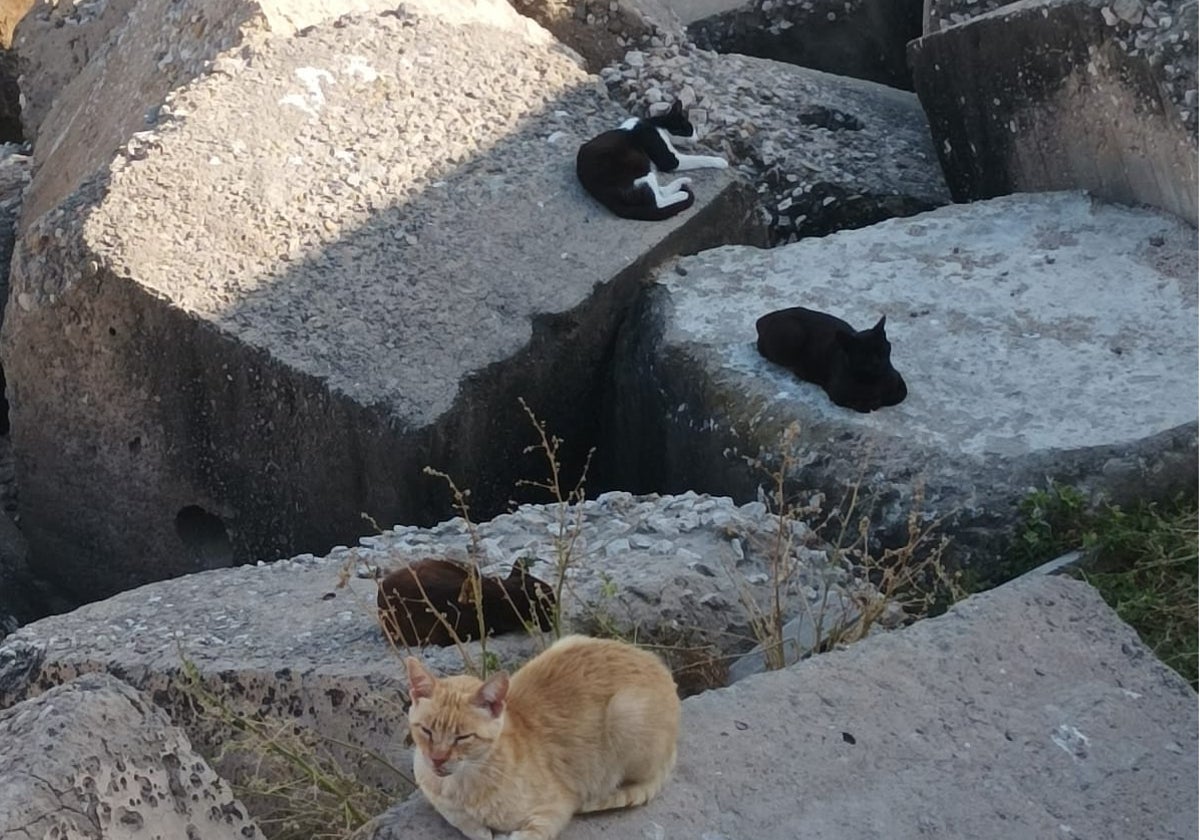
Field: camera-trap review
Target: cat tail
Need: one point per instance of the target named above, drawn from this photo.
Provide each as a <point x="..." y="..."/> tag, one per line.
<point x="637" y="793"/>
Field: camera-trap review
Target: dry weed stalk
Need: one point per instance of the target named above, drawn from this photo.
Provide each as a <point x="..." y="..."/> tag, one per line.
<point x="569" y="524"/>
<point x="910" y="579"/>
<point x="293" y="780"/>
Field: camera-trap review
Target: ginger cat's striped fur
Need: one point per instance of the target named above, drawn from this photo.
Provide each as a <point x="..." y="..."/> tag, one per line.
<point x="587" y="725"/>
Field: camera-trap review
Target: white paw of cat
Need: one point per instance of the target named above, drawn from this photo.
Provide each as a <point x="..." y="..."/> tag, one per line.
<point x="720" y="163"/>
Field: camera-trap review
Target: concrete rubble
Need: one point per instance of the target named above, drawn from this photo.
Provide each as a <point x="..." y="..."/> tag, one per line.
<point x="93" y="758"/>
<point x="308" y="279"/>
<point x="1034" y="693"/>
<point x="272" y="258"/>
<point x="825" y="152"/>
<point x="1042" y="337"/>
<point x="602" y="30"/>
<point x="299" y="639"/>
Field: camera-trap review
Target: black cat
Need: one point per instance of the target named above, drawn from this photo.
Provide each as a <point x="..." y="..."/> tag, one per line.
<point x="854" y="368"/>
<point x="618" y="166"/>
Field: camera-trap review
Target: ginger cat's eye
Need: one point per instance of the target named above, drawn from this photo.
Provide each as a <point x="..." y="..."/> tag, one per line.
<point x="458" y="739"/>
<point x="428" y="732"/>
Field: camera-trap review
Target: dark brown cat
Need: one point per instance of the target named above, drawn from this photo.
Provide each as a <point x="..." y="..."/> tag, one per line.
<point x="410" y="598"/>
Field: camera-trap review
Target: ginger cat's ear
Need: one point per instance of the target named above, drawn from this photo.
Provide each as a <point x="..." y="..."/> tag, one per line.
<point x="420" y="681"/>
<point x="490" y="696"/>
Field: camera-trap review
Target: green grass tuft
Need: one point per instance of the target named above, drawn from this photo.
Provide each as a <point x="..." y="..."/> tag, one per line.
<point x="1142" y="559"/>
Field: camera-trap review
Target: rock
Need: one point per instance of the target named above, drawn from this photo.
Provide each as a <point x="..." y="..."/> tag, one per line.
<point x="15" y="599"/>
<point x="803" y="635"/>
<point x="14" y="177"/>
<point x="1101" y="103"/>
<point x="826" y="153"/>
<point x="1034" y="692"/>
<point x="1041" y="337"/>
<point x="938" y="14"/>
<point x="690" y="11"/>
<point x="300" y="640"/>
<point x="94" y="758"/>
<point x="602" y="31"/>
<point x="864" y="39"/>
<point x="95" y="74"/>
<point x="330" y="265"/>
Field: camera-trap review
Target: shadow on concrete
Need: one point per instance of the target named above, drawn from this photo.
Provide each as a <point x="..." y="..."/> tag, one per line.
<point x="303" y="410"/>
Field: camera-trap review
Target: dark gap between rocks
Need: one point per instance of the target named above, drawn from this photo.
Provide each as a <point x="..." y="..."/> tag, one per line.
<point x="866" y="42"/>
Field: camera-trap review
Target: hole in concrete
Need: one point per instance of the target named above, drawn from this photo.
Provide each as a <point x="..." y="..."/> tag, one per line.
<point x="135" y="446"/>
<point x="112" y="330"/>
<point x="204" y="537"/>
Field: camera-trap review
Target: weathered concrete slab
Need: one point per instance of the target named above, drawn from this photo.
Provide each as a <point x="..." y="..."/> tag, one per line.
<point x="94" y="758"/>
<point x="1028" y="711"/>
<point x="1041" y="337"/>
<point x="864" y="39"/>
<point x="94" y="74"/>
<point x="289" y="640"/>
<point x="330" y="265"/>
<point x="825" y="152"/>
<point x="1074" y="95"/>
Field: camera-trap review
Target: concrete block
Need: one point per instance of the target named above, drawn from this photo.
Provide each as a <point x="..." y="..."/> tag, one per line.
<point x="95" y="758"/>
<point x="1042" y="337"/>
<point x="331" y="264"/>
<point x="1065" y="94"/>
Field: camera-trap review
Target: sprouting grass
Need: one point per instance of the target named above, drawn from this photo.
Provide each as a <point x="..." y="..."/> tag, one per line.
<point x="1143" y="561"/>
<point x="1142" y="558"/>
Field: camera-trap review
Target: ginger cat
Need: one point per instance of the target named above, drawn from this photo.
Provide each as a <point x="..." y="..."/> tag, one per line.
<point x="587" y="725"/>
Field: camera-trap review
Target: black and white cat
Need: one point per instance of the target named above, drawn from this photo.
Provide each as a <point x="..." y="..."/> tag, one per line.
<point x="854" y="367"/>
<point x="618" y="166"/>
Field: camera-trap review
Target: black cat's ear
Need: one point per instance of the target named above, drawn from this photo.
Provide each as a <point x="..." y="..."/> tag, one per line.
<point x="676" y="108"/>
<point x="879" y="326"/>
